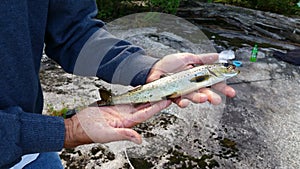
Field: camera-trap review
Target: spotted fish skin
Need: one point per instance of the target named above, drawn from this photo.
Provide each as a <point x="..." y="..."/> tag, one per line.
<point x="174" y="85"/>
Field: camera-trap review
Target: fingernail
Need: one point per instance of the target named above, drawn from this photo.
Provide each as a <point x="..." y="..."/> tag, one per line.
<point x="216" y="100"/>
<point x="136" y="141"/>
<point x="203" y="98"/>
<point x="184" y="103"/>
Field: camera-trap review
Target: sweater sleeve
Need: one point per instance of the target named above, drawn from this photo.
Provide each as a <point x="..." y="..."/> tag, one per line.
<point x="82" y="45"/>
<point x="22" y="132"/>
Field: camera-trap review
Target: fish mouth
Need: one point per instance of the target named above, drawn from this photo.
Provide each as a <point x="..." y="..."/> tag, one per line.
<point x="231" y="69"/>
<point x="235" y="70"/>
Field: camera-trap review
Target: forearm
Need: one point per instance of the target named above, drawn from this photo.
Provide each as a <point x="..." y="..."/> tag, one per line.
<point x="113" y="60"/>
<point x="81" y="45"/>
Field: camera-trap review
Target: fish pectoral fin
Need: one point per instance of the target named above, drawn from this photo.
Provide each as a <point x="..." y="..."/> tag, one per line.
<point x="171" y="96"/>
<point x="198" y="79"/>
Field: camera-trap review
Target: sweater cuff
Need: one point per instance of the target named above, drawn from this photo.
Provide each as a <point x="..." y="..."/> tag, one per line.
<point x="144" y="67"/>
<point x="134" y="69"/>
<point x="40" y="133"/>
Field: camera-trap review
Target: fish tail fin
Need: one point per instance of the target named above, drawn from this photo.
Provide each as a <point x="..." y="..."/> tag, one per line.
<point x="106" y="99"/>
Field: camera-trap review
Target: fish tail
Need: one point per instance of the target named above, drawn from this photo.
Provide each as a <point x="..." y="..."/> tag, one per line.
<point x="106" y="99"/>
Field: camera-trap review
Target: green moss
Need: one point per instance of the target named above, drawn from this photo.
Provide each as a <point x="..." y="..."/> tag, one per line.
<point x="182" y="160"/>
<point x="229" y="149"/>
<point x="111" y="9"/>
<point x="228" y="143"/>
<point x="53" y="112"/>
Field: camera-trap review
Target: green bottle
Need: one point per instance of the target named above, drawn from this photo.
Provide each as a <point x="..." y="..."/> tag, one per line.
<point x="254" y="52"/>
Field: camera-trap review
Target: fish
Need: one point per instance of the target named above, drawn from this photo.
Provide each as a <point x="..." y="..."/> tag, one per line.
<point x="171" y="86"/>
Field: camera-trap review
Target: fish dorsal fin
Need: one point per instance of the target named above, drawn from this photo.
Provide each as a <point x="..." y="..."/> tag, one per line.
<point x="165" y="75"/>
<point x="201" y="78"/>
<point x="135" y="88"/>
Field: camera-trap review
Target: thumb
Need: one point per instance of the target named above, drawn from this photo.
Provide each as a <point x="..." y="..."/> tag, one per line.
<point x="128" y="134"/>
<point x="207" y="58"/>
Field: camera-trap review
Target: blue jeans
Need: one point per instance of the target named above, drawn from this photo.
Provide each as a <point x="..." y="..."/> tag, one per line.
<point x="49" y="160"/>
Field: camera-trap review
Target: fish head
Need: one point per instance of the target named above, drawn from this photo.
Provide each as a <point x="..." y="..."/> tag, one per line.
<point x="223" y="70"/>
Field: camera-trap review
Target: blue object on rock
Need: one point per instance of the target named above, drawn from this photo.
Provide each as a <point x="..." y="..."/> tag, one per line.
<point x="237" y="63"/>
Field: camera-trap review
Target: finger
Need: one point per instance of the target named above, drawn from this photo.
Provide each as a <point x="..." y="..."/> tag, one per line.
<point x="170" y="63"/>
<point x="188" y="67"/>
<point x="146" y="113"/>
<point x="196" y="97"/>
<point x="180" y="61"/>
<point x="182" y="103"/>
<point x="129" y="108"/>
<point x="177" y="62"/>
<point x="127" y="134"/>
<point x="208" y="58"/>
<point x="212" y="97"/>
<point x="188" y="58"/>
<point x="225" y="89"/>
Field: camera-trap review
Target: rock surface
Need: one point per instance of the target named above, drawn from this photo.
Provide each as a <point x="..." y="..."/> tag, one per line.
<point x="259" y="128"/>
<point x="243" y="23"/>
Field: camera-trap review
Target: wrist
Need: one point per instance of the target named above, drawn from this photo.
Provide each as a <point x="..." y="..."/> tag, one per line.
<point x="69" y="138"/>
<point x="154" y="74"/>
<point x="74" y="134"/>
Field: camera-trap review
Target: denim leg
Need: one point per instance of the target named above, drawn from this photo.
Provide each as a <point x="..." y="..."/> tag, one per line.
<point x="49" y="160"/>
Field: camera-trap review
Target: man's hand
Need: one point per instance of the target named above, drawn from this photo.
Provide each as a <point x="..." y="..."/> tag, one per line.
<point x="108" y="123"/>
<point x="181" y="61"/>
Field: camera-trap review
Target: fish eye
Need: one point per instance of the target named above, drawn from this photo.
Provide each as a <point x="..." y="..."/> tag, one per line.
<point x="226" y="64"/>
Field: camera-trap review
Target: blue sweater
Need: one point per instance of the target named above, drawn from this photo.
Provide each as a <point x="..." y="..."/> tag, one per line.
<point x="76" y="41"/>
